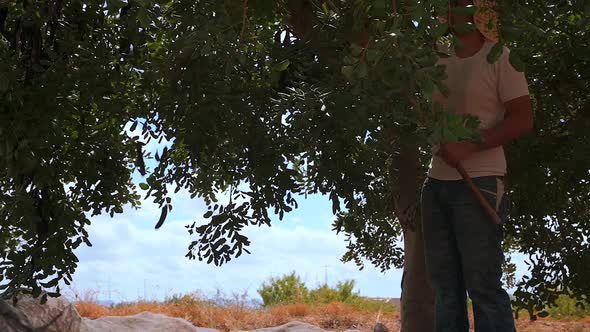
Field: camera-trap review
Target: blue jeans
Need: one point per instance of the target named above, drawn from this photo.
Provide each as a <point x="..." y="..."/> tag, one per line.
<point x="463" y="252"/>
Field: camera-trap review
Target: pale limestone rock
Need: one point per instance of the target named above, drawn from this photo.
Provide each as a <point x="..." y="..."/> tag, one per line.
<point x="64" y="318"/>
<point x="142" y="322"/>
<point x="57" y="312"/>
<point x="12" y="319"/>
<point x="294" y="326"/>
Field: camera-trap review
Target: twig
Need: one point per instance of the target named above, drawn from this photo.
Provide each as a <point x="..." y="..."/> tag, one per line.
<point x="244" y="18"/>
<point x="482" y="200"/>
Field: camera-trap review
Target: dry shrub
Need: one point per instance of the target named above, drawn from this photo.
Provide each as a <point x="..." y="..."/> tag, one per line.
<point x="279" y="314"/>
<point x="579" y="328"/>
<point x="297" y="309"/>
<point x="338" y="315"/>
<point x="236" y="317"/>
<point x="333" y="316"/>
<point x="91" y="310"/>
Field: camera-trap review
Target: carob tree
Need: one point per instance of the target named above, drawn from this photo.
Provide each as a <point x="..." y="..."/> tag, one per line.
<point x="269" y="100"/>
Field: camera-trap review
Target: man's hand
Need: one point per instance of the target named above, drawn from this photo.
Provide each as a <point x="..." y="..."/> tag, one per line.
<point x="453" y="153"/>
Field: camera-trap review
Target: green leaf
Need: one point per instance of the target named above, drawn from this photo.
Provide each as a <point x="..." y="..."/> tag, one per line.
<point x="516" y="61"/>
<point x="427" y="85"/>
<point x="4" y="83"/>
<point x="510" y="32"/>
<point x="208" y="214"/>
<point x="335" y="202"/>
<point x="440" y="30"/>
<point x="143" y="17"/>
<point x="417" y="13"/>
<point x="88" y="243"/>
<point x="350" y="60"/>
<point x="356" y="50"/>
<point x="449" y="136"/>
<point x="380" y="4"/>
<point x="163" y="215"/>
<point x="52" y="283"/>
<point x="534" y="29"/>
<point x="374" y="56"/>
<point x="144" y="186"/>
<point x="443" y="89"/>
<point x="116" y="3"/>
<point x="543" y="314"/>
<point x="362" y="70"/>
<point x="282" y="66"/>
<point x="348" y="72"/>
<point x="495" y="53"/>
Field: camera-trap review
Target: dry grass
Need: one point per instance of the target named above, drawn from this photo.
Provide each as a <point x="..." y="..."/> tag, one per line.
<point x="524" y="325"/>
<point x="91" y="310"/>
<point x="333" y="316"/>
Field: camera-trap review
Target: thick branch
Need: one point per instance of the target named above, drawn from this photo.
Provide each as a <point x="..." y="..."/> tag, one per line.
<point x="408" y="179"/>
<point x="3" y="16"/>
<point x="301" y="18"/>
<point x="55" y="14"/>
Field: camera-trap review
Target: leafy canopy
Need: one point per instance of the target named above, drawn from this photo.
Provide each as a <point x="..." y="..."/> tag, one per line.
<point x="267" y="100"/>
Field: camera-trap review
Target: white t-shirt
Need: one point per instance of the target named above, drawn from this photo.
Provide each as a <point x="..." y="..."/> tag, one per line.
<point x="479" y="88"/>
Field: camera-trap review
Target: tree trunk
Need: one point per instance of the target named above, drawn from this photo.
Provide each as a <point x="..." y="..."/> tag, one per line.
<point x="417" y="300"/>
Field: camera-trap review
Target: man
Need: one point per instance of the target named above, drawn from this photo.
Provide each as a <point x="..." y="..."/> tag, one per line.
<point x="462" y="244"/>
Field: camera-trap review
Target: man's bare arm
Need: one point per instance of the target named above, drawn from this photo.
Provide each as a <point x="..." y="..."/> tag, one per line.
<point x="517" y="121"/>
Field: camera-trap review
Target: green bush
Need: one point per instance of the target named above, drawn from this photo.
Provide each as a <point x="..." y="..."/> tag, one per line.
<point x="290" y="289"/>
<point x="285" y="290"/>
<point x="323" y="294"/>
<point x="373" y="305"/>
<point x="567" y="307"/>
<point x="344" y="290"/>
<point x="193" y="298"/>
<point x="326" y="294"/>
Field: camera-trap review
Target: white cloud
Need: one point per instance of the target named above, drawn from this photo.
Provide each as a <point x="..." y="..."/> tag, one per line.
<point x="128" y="255"/>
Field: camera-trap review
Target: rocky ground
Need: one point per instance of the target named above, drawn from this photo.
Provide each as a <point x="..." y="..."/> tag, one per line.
<point x="59" y="315"/>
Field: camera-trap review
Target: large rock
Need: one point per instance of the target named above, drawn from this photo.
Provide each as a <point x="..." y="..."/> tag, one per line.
<point x="12" y="319"/>
<point x="59" y="315"/>
<point x="142" y="322"/>
<point x="56" y="315"/>
<point x="291" y="327"/>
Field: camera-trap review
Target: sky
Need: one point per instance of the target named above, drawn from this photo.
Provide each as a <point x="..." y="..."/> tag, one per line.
<point x="130" y="260"/>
